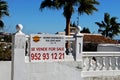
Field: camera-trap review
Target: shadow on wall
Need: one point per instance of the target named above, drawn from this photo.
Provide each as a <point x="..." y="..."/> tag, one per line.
<point x="90" y="47"/>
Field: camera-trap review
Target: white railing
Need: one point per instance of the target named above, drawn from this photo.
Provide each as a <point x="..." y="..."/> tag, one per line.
<point x="100" y="63"/>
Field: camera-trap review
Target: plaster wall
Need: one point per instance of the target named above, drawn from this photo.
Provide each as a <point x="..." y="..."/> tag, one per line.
<point x="45" y="70"/>
<point x="109" y="47"/>
<point x="5" y="70"/>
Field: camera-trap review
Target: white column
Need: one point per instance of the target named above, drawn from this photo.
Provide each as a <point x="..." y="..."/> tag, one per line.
<point x="78" y="46"/>
<point x="18" y="55"/>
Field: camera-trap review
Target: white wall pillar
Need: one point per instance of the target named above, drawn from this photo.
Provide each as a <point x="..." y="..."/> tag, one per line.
<point x="78" y="46"/>
<point x="18" y="55"/>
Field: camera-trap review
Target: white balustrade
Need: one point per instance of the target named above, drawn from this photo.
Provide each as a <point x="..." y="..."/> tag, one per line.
<point x="99" y="63"/>
<point x="101" y="60"/>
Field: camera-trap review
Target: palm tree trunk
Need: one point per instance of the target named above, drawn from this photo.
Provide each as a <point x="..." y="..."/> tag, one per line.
<point x="68" y="26"/>
<point x="68" y="34"/>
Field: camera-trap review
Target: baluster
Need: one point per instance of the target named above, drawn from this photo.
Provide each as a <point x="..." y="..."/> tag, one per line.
<point x="116" y="63"/>
<point x="104" y="63"/>
<point x="99" y="63"/>
<point x="93" y="63"/>
<point x="107" y="61"/>
<point x="84" y="66"/>
<point x="110" y="63"/>
<point x="86" y="63"/>
<point x="89" y="60"/>
<point x="113" y="62"/>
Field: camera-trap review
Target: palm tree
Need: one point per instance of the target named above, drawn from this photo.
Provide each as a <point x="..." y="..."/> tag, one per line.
<point x="68" y="6"/>
<point x="3" y="12"/>
<point x="109" y="27"/>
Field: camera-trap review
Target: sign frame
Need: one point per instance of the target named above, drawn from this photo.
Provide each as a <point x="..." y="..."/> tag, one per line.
<point x="47" y="47"/>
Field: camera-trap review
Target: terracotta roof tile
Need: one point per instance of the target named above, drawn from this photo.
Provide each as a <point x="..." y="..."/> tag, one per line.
<point x="90" y="38"/>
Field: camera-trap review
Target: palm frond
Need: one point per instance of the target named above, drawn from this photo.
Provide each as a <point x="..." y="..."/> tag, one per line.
<point x="3" y="9"/>
<point x="1" y="24"/>
<point x="101" y="25"/>
<point x="87" y="6"/>
<point x="107" y="18"/>
<point x="113" y="20"/>
<point x="46" y="3"/>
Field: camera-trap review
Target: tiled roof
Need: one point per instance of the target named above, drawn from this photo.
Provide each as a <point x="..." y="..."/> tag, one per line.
<point x="92" y="38"/>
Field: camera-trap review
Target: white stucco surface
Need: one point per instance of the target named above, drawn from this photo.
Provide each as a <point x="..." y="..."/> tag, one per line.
<point x="50" y="71"/>
<point x="45" y="70"/>
<point x="5" y="70"/>
<point x="109" y="47"/>
<point x="54" y="71"/>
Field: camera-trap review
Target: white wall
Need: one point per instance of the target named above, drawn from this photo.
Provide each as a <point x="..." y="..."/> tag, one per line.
<point x="54" y="71"/>
<point x="45" y="70"/>
<point x="50" y="71"/>
<point x="5" y="70"/>
<point x="109" y="47"/>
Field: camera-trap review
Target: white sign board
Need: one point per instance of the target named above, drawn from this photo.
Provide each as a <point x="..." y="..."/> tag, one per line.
<point x="46" y="47"/>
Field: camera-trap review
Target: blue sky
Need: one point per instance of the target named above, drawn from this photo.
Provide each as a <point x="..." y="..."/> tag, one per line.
<point x="27" y="13"/>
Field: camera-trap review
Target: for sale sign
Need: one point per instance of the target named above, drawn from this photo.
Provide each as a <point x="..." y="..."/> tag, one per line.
<point x="46" y="47"/>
